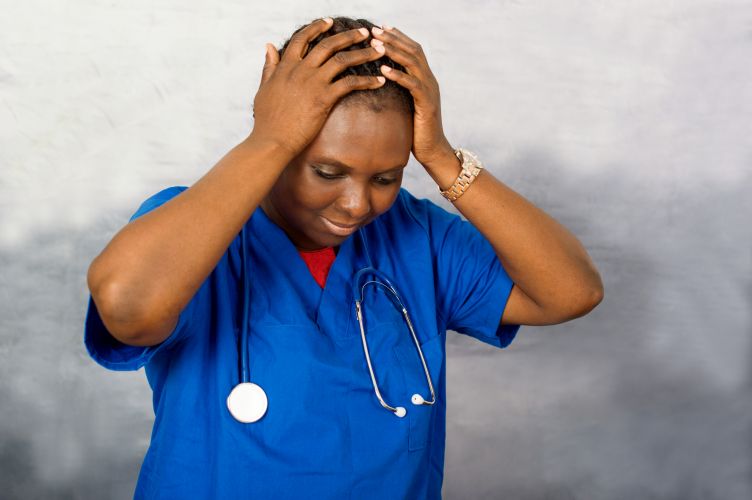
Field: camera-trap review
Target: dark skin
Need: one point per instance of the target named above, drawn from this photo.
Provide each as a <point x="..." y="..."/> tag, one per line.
<point x="365" y="186"/>
<point x="555" y="279"/>
<point x="154" y="265"/>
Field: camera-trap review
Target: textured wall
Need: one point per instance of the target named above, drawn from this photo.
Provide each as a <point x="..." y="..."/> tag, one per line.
<point x="629" y="122"/>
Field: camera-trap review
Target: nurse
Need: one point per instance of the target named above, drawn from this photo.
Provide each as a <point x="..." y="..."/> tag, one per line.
<point x="316" y="190"/>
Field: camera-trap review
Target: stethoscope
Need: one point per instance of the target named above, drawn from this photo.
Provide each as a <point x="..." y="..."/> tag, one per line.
<point x="247" y="401"/>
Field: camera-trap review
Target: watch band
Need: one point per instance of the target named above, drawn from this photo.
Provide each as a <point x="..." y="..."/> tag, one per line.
<point x="471" y="167"/>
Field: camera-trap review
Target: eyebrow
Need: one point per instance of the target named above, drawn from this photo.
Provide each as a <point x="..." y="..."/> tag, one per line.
<point x="336" y="163"/>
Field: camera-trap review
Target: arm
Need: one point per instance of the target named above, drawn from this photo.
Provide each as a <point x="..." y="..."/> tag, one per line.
<point x="555" y="279"/>
<point x="152" y="268"/>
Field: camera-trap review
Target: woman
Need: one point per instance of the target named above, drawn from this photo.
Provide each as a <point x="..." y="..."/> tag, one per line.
<point x="294" y="211"/>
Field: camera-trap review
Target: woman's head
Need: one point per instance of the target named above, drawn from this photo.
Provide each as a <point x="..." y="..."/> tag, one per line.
<point x="352" y="171"/>
<point x="391" y="94"/>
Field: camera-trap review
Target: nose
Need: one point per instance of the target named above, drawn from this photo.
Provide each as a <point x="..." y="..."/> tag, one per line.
<point x="355" y="203"/>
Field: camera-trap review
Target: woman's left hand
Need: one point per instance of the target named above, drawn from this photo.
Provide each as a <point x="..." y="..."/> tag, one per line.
<point x="430" y="145"/>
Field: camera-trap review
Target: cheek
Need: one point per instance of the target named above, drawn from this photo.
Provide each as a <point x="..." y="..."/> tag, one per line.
<point x="383" y="199"/>
<point x="313" y="196"/>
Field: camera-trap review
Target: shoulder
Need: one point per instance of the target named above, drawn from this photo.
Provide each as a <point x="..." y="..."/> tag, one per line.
<point x="421" y="211"/>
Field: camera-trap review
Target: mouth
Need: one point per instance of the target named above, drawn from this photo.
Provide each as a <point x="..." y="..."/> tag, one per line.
<point x="339" y="229"/>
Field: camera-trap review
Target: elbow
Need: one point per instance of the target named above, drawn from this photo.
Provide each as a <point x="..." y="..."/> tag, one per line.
<point x="591" y="293"/>
<point x="123" y="318"/>
<point x="596" y="292"/>
<point x="132" y="329"/>
<point x="114" y="314"/>
<point x="590" y="301"/>
<point x="574" y="302"/>
<point x="583" y="305"/>
<point x="596" y="297"/>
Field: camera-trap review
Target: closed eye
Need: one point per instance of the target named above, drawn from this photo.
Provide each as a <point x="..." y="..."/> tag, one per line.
<point x="384" y="181"/>
<point x="325" y="175"/>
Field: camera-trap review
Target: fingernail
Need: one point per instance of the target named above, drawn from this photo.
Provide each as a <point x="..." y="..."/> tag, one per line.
<point x="385" y="68"/>
<point x="376" y="30"/>
<point x="328" y="20"/>
<point x="376" y="42"/>
<point x="386" y="27"/>
<point x="381" y="79"/>
<point x="363" y="31"/>
<point x="379" y="48"/>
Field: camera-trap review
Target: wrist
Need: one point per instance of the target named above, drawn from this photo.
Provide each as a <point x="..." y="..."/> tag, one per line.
<point x="471" y="167"/>
<point x="444" y="167"/>
<point x="270" y="145"/>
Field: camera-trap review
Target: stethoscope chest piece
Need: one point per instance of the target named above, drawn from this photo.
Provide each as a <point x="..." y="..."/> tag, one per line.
<point x="247" y="402"/>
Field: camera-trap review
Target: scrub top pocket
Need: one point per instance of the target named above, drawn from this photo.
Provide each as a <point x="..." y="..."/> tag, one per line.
<point x="420" y="416"/>
<point x="399" y="373"/>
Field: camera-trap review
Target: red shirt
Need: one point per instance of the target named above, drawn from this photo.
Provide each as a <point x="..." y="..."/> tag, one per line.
<point x="319" y="262"/>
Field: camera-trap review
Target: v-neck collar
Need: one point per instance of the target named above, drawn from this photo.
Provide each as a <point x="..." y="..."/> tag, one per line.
<point x="331" y="304"/>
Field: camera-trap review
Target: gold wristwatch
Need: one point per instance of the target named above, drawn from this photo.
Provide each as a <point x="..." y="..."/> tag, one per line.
<point x="471" y="167"/>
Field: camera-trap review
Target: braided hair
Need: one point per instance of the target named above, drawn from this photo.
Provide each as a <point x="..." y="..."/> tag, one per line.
<point x="389" y="95"/>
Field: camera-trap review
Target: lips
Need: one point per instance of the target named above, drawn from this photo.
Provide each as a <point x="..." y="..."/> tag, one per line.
<point x="344" y="226"/>
<point x="339" y="229"/>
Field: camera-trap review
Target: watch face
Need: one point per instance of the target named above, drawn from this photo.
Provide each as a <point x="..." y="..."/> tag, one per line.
<point x="471" y="167"/>
<point x="469" y="159"/>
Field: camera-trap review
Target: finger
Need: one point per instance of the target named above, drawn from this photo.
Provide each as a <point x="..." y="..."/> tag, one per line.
<point x="271" y="59"/>
<point x="300" y="40"/>
<point x="332" y="44"/>
<point x="346" y="58"/>
<point x="347" y="84"/>
<point x="412" y="63"/>
<point x="410" y="82"/>
<point x="398" y="39"/>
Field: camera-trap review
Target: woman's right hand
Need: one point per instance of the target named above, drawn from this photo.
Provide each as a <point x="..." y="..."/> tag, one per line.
<point x="296" y="93"/>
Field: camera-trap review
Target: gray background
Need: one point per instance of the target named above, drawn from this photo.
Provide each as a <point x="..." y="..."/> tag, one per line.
<point x="629" y="122"/>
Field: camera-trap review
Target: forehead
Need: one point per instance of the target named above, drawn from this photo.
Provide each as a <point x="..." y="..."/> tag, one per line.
<point x="357" y="136"/>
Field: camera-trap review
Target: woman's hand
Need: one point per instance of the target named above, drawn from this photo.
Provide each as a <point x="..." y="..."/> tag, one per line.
<point x="429" y="142"/>
<point x="296" y="93"/>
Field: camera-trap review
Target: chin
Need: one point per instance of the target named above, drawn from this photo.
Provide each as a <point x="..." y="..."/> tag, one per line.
<point x="320" y="240"/>
<point x="334" y="240"/>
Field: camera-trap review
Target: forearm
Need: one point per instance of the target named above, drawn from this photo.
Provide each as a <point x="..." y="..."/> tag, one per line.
<point x="154" y="265"/>
<point x="541" y="256"/>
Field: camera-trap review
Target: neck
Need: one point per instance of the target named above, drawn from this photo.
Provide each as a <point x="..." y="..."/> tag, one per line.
<point x="268" y="207"/>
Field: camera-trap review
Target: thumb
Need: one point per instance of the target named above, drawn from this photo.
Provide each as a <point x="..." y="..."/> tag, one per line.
<point x="271" y="59"/>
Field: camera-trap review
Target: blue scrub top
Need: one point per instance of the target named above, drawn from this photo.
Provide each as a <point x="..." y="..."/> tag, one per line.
<point x="324" y="435"/>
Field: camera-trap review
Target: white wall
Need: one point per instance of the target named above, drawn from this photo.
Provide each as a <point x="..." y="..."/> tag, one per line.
<point x="629" y="122"/>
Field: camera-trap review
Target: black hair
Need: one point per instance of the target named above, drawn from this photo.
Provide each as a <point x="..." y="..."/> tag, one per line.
<point x="388" y="95"/>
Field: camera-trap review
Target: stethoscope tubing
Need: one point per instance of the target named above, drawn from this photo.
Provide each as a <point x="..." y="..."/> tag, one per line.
<point x="394" y="297"/>
<point x="358" y="295"/>
<point x="245" y="375"/>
